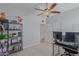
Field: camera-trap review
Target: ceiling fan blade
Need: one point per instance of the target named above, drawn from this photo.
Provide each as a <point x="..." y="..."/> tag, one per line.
<point x="39" y="14"/>
<point x="52" y="6"/>
<point x="39" y="9"/>
<point x="55" y="11"/>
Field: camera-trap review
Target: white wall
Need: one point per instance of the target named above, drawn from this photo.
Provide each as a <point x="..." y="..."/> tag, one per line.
<point x="68" y="21"/>
<point x="31" y="23"/>
<point x="65" y="22"/>
<point x="31" y="30"/>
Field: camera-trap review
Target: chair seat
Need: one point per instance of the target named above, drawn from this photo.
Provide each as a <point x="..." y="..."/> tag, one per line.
<point x="71" y="51"/>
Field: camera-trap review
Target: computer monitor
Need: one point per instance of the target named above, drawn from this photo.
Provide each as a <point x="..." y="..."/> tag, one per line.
<point x="69" y="37"/>
<point x="57" y="36"/>
<point x="77" y="37"/>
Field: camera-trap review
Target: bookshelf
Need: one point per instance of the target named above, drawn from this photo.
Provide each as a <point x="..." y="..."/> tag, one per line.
<point x="13" y="42"/>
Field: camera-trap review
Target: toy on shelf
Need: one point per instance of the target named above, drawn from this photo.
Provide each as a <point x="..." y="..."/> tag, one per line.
<point x="13" y="21"/>
<point x="13" y="33"/>
<point x="3" y="36"/>
<point x="2" y="16"/>
<point x="19" y="34"/>
<point x="19" y="18"/>
<point x="13" y="38"/>
<point x="2" y="30"/>
<point x="2" y="48"/>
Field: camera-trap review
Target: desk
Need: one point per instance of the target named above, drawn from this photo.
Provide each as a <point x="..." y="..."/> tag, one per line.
<point x="68" y="46"/>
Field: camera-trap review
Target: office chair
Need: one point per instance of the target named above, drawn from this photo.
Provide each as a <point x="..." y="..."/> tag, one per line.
<point x="70" y="50"/>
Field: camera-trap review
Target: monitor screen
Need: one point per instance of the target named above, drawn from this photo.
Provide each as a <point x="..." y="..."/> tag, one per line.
<point x="69" y="37"/>
<point x="57" y="36"/>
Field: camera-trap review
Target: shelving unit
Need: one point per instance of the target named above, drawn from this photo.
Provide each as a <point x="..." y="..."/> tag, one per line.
<point x="13" y="42"/>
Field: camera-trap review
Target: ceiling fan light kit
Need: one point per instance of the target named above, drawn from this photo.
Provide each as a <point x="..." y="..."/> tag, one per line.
<point x="48" y="11"/>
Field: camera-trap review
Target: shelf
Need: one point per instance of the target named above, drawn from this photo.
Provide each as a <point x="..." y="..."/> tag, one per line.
<point x="12" y="23"/>
<point x="10" y="52"/>
<point x="5" y="46"/>
<point x="15" y="23"/>
<point x="14" y="37"/>
<point x="3" y="40"/>
<point x="16" y="43"/>
<point x="13" y="29"/>
<point x="16" y="40"/>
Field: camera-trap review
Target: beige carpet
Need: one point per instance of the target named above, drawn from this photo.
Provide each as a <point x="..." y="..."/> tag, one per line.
<point x="42" y="49"/>
<point x="38" y="50"/>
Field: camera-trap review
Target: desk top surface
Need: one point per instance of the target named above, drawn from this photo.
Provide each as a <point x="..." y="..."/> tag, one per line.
<point x="70" y="43"/>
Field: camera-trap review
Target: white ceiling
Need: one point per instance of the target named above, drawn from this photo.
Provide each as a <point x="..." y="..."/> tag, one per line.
<point x="29" y="7"/>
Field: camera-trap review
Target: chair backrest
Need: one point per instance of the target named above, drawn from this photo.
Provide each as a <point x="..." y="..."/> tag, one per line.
<point x="71" y="49"/>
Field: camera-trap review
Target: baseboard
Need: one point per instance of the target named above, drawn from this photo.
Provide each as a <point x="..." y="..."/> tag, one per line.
<point x="31" y="45"/>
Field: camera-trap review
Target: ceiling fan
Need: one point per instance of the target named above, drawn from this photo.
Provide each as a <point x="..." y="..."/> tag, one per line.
<point x="48" y="10"/>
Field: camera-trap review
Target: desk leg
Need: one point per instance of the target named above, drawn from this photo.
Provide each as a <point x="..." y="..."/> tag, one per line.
<point x="58" y="50"/>
<point x="53" y="48"/>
